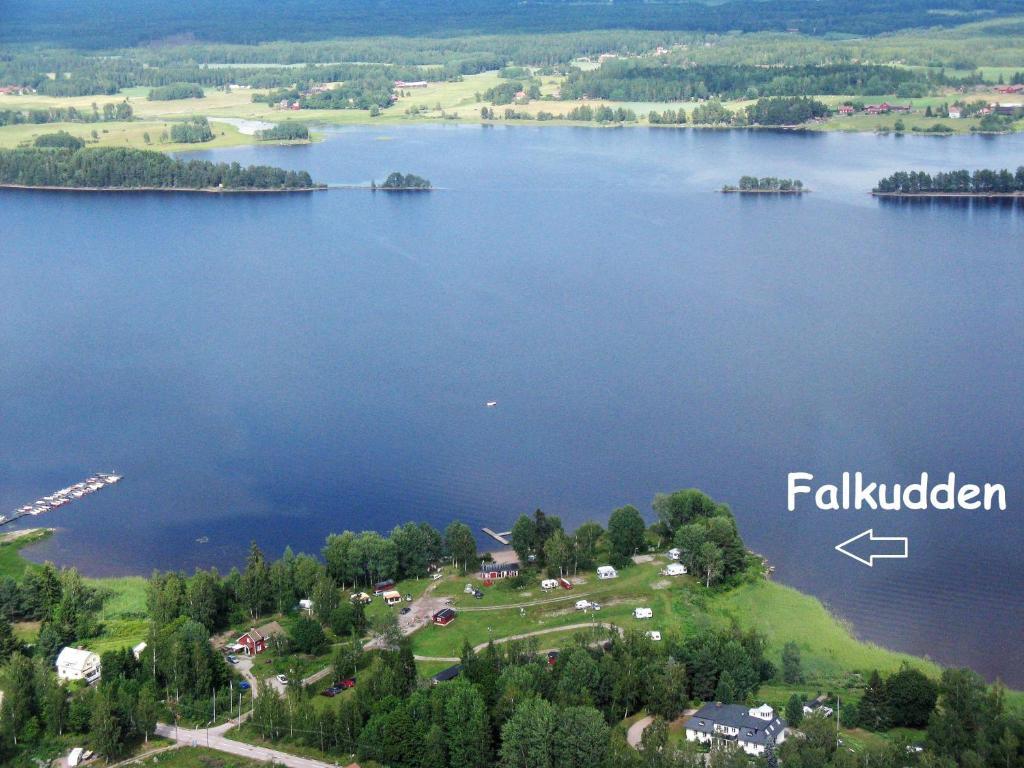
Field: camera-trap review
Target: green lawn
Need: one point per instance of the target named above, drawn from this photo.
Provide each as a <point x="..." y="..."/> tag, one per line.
<point x="250" y="735"/>
<point x="11" y="562"/>
<point x="200" y="757"/>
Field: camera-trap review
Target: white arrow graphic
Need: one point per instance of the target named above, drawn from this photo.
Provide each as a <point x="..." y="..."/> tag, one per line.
<point x="870" y="534"/>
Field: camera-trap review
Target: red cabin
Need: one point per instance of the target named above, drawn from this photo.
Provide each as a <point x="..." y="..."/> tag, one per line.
<point x="443" y="617"/>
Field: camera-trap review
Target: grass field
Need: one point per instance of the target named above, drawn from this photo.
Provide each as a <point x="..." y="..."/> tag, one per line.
<point x="439" y="102"/>
<point x="13" y="564"/>
<point x="200" y="757"/>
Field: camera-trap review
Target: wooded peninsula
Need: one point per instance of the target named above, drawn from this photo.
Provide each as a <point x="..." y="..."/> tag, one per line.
<point x="110" y="168"/>
<point x="980" y="183"/>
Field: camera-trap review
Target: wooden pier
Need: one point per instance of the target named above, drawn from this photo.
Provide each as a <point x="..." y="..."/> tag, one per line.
<point x="501" y="538"/>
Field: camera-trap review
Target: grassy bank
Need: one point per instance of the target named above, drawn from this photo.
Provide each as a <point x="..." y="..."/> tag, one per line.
<point x="438" y="103"/>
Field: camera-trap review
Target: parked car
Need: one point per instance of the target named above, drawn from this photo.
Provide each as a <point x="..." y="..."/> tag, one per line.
<point x="552" y="657"/>
<point x="437" y="576"/>
<point x="408" y="597"/>
<point x="654" y="635"/>
<point x="282" y="679"/>
<point x="478" y="594"/>
<point x="243" y="685"/>
<point x="348" y="682"/>
<point x="405" y="610"/>
<point x="232" y="659"/>
<point x="565" y="583"/>
<point x="331" y="692"/>
<point x="595" y="606"/>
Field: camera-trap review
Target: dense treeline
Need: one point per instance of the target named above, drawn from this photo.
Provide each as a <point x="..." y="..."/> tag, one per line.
<point x="284" y="132"/>
<point x="110" y="112"/>
<point x="60" y="139"/>
<point x="176" y="91"/>
<point x="99" y="24"/>
<point x="408" y="181"/>
<point x="766" y="184"/>
<point x="982" y="181"/>
<point x="195" y="130"/>
<point x="785" y="111"/>
<point x="122" y="168"/>
<point x="649" y="80"/>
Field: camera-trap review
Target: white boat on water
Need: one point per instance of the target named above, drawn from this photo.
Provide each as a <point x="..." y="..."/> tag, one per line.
<point x="491" y="403"/>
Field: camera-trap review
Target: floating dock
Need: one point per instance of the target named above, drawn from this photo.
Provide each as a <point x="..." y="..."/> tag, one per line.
<point x="64" y="496"/>
<point x="501" y="538"/>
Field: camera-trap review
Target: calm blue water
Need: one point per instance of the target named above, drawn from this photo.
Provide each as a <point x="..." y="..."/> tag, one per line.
<point x="281" y="367"/>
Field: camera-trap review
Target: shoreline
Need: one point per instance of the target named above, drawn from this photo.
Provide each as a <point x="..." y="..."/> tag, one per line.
<point x="952" y="195"/>
<point x="187" y="190"/>
<point x="737" y="191"/>
<point x="22" y="538"/>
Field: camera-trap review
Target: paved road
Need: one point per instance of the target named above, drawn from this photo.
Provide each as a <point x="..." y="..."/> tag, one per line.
<point x="636" y="730"/>
<point x="215" y="739"/>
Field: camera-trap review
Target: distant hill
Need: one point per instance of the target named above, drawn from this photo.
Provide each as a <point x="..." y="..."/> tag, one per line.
<point x="122" y="23"/>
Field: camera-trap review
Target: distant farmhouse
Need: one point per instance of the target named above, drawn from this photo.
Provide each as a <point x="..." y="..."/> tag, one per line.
<point x="721" y="725"/>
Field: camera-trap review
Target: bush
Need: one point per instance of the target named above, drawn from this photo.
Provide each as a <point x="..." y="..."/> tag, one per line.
<point x="307" y="636"/>
<point x="61" y="139"/>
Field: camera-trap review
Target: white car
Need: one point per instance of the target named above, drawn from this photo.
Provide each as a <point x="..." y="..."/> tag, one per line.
<point x="437" y="576"/>
<point x="582" y="605"/>
<point x="643" y="613"/>
<point x="654" y="635"/>
<point x="282" y="679"/>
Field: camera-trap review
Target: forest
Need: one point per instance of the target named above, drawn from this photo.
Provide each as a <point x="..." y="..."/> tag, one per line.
<point x="979" y="182"/>
<point x="117" y="168"/>
<point x="403" y="182"/>
<point x="175" y="91"/>
<point x="646" y="80"/>
<point x="289" y="131"/>
<point x="121" y="111"/>
<point x="765" y="184"/>
<point x="105" y="24"/>
<point x="509" y="705"/>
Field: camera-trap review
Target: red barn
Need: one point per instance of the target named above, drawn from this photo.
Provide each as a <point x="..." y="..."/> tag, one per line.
<point x="443" y="617"/>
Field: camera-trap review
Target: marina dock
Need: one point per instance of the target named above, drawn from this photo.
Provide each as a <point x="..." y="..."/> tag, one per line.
<point x="501" y="538"/>
<point x="64" y="496"/>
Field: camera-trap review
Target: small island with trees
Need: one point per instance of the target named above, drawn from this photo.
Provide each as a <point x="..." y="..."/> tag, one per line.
<point x="983" y="182"/>
<point x="397" y="182"/>
<point x="767" y="185"/>
<point x="59" y="163"/>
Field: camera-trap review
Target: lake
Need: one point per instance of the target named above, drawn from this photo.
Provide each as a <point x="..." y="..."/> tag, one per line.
<point x="279" y="367"/>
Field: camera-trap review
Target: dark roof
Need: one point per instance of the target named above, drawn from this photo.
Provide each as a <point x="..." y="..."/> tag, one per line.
<point x="499" y="567"/>
<point x="444" y="613"/>
<point x="447" y="674"/>
<point x="752" y="730"/>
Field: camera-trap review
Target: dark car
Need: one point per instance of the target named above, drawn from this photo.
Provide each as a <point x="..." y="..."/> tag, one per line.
<point x="405" y="610"/>
<point x="349" y="682"/>
<point x="552" y="657"/>
<point x="331" y="692"/>
<point x="244" y="686"/>
<point x="478" y="594"/>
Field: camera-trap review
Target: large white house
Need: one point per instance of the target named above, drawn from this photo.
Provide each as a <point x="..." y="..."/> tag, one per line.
<point x="725" y="725"/>
<point x="78" y="664"/>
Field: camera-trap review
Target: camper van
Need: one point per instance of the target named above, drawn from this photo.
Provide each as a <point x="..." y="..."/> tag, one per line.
<point x="643" y="613"/>
<point x="654" y="635"/>
<point x="606" y="572"/>
<point x="549" y="584"/>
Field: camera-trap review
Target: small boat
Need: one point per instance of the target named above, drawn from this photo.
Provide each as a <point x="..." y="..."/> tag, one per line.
<point x="491" y="403"/>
